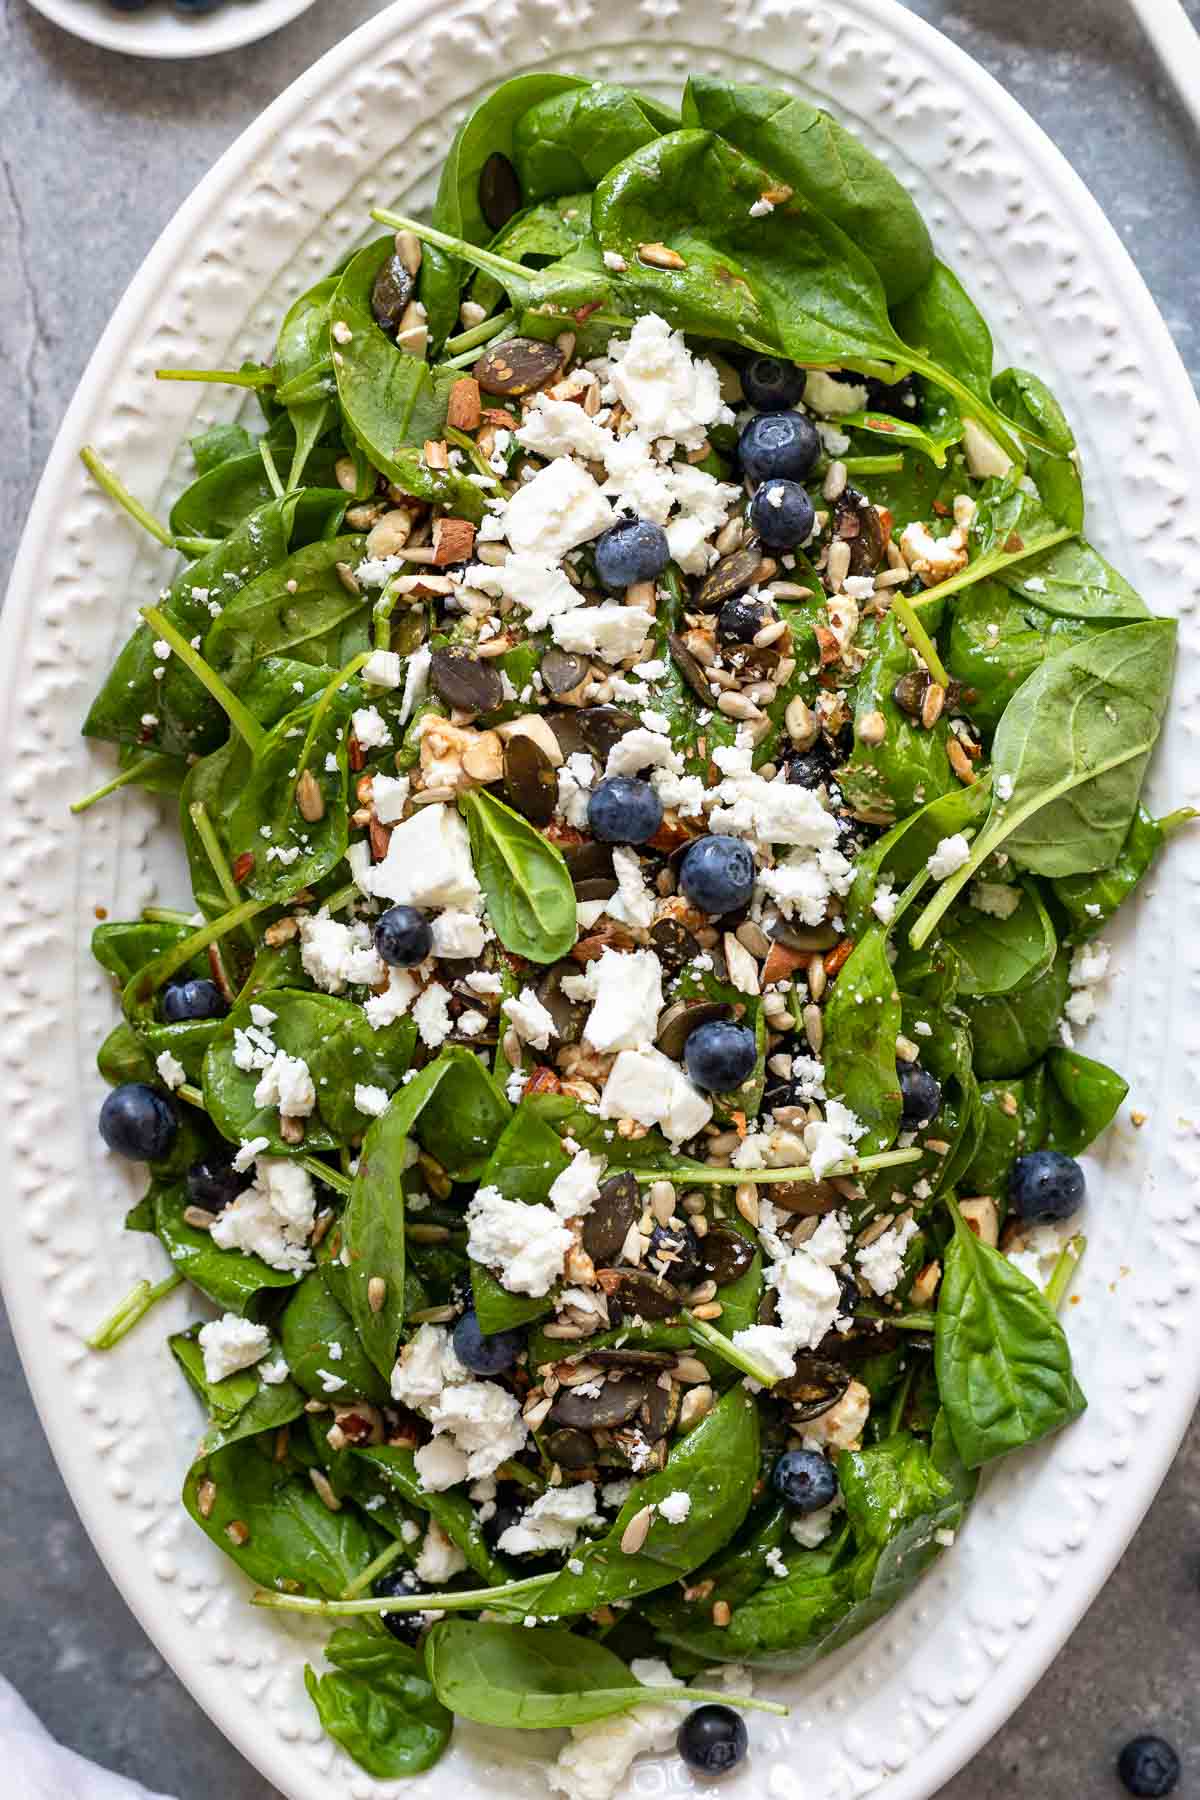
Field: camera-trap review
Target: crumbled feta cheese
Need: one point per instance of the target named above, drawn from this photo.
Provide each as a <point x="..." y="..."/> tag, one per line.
<point x="524" y="1244"/>
<point x="575" y="1191"/>
<point x="287" y="1084"/>
<point x="370" y="1099"/>
<point x="458" y="934"/>
<point x="933" y="559"/>
<point x="951" y="853"/>
<point x="332" y="954"/>
<point x="634" y="902"/>
<point x="248" y="1151"/>
<point x="675" y="1507"/>
<point x="272" y="1219"/>
<point x="230" y="1344"/>
<point x="593" y="1766"/>
<point x="561" y="508"/>
<point x="440" y="1465"/>
<point x="998" y="899"/>
<point x="384" y="1009"/>
<point x="389" y="795"/>
<point x="772" y="812"/>
<point x="428" y="862"/>
<point x="575" y="779"/>
<point x="881" y="1263"/>
<point x="642" y="749"/>
<point x="645" y="1085"/>
<point x="831" y="1140"/>
<point x="625" y="987"/>
<point x="1004" y="786"/>
<point x="171" y="1071"/>
<point x="884" y="903"/>
<point x="667" y="392"/>
<point x="416" y="682"/>
<point x="477" y="1424"/>
<point x="533" y="581"/>
<point x="370" y="728"/>
<point x="553" y="1522"/>
<point x="274" y="1373"/>
<point x="614" y="1494"/>
<point x="482" y="981"/>
<point x="1089" y="966"/>
<point x="611" y="630"/>
<point x="532" y="1022"/>
<point x="431" y="1012"/>
<point x="439" y="1559"/>
<point x="811" y="1529"/>
<point x="840" y="1428"/>
<point x="382" y="669"/>
<point x="562" y="428"/>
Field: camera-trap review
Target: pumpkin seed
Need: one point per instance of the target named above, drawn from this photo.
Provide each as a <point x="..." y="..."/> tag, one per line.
<point x="816" y="1385"/>
<point x="499" y="191"/>
<point x="654" y="1361"/>
<point x="639" y="1294"/>
<point x="462" y="682"/>
<point x="688" y="666"/>
<point x="617" y="1208"/>
<point x="682" y="1018"/>
<point x="615" y="1404"/>
<point x="562" y="672"/>
<point x="391" y="292"/>
<point x="530" y="784"/>
<point x="569" y="1016"/>
<point x="673" y="944"/>
<point x="516" y="366"/>
<point x="660" y="1409"/>
<point x="589" y="862"/>
<point x="732" y="574"/>
<point x="602" y="887"/>
<point x="724" y="1255"/>
<point x="604" y="726"/>
<point x="571" y="1449"/>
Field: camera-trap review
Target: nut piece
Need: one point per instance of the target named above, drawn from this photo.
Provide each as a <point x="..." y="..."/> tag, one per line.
<point x="453" y="540"/>
<point x="464" y="409"/>
<point x="983" y="1218"/>
<point x="392" y="532"/>
<point x="800" y="723"/>
<point x="925" y="1286"/>
<point x="871" y="728"/>
<point x="376" y="1293"/>
<point x="637" y="1531"/>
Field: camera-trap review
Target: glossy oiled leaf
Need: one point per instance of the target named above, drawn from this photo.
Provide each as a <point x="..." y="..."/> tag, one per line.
<point x="998" y="954"/>
<point x="379" y="1705"/>
<point x="1082" y="1097"/>
<point x="910" y="767"/>
<point x="303" y="349"/>
<point x="1011" y="1031"/>
<point x="241" y="1405"/>
<point x="301" y="608"/>
<point x="1090" y="900"/>
<point x="565" y="143"/>
<point x="998" y="637"/>
<point x="530" y="899"/>
<point x="450" y="1507"/>
<point x="862" y="1020"/>
<point x="228" y="1277"/>
<point x="314" y="1326"/>
<point x="373" y="1234"/>
<point x="487" y="131"/>
<point x="1003" y="1363"/>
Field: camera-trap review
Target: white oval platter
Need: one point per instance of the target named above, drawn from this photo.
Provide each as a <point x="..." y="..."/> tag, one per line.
<point x="899" y="1711"/>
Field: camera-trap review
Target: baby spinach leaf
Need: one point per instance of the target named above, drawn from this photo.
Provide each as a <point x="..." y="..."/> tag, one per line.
<point x="530" y="899"/>
<point x="303" y="350"/>
<point x="1013" y="1115"/>
<point x="1070" y="579"/>
<point x="1011" y="1031"/>
<point x="217" y="502"/>
<point x="301" y="607"/>
<point x="717" y="1466"/>
<point x="528" y="1679"/>
<point x="283" y="1533"/>
<point x="998" y="637"/>
<point x="1027" y="401"/>
<point x="186" y="719"/>
<point x="940" y="317"/>
<point x="456" y="1110"/>
<point x="241" y="1405"/>
<point x="123" y="947"/>
<point x="568" y="141"/>
<point x="1071" y="752"/>
<point x="488" y="131"/>
<point x="909" y="768"/>
<point x="1082" y="1098"/>
<point x="339" y="1046"/>
<point x="221" y="443"/>
<point x="451" y="1508"/>
<point x="932" y="440"/>
<point x="124" y="1057"/>
<point x="813" y="153"/>
<point x="862" y="1021"/>
<point x="996" y="955"/>
<point x="389" y="399"/>
<point x="228" y="1277"/>
<point x="1003" y="1365"/>
<point x="373" y="1235"/>
<point x="379" y="1705"/>
<point x="1090" y="900"/>
<point x="322" y="1348"/>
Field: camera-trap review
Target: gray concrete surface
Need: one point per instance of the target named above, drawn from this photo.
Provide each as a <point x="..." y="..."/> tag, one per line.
<point x="95" y="154"/>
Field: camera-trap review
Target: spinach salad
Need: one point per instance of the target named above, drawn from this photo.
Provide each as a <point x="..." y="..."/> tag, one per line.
<point x="655" y="753"/>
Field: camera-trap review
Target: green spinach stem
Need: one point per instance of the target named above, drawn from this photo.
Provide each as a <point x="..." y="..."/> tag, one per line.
<point x="873" y="465"/>
<point x="705" y="1337"/>
<point x="383" y="1561"/>
<point x="499" y="266"/>
<point x="700" y="1174"/>
<point x="239" y="716"/>
<point x="686" y="1695"/>
<point x="116" y="490"/>
<point x="469" y="1600"/>
<point x="247" y="378"/>
<point x="135" y="1306"/>
<point x="167" y="915"/>
<point x="341" y="1184"/>
<point x="919" y="638"/>
<point x="133" y="773"/>
<point x="273" y="476"/>
<point x="192" y="1095"/>
<point x="149" y="979"/>
<point x="481" y="333"/>
<point x="206" y="832"/>
<point x="985" y="566"/>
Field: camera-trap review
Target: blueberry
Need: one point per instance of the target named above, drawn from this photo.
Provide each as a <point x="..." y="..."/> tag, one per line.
<point x="920" y="1096"/>
<point x="782" y="514"/>
<point x="485" y="1353"/>
<point x="195" y="997"/>
<point x="778" y="446"/>
<point x="1149" y="1767"/>
<point x="804" y="1480"/>
<point x="713" y="1739"/>
<point x="129" y="6"/>
<point x="901" y="399"/>
<point x="770" y="385"/>
<point x="213" y="1182"/>
<point x="740" y="619"/>
<point x="674" y="1253"/>
<point x="396" y="1584"/>
<point x="1046" y="1186"/>
<point x="624" y="810"/>
<point x="403" y="937"/>
<point x="809" y="768"/>
<point x="197" y="6"/>
<point x="138" y="1122"/>
<point x="492" y="1529"/>
<point x="719" y="1056"/>
<point x="849" y="1294"/>
<point x="717" y="874"/>
<point x="631" y="550"/>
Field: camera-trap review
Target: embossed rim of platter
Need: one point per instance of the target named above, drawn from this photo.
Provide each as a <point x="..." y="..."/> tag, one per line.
<point x="899" y="1711"/>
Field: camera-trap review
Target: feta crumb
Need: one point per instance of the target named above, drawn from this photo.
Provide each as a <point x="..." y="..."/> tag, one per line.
<point x="231" y="1343"/>
<point x="439" y="1559"/>
<point x="273" y="1218"/>
<point x="675" y="1508"/>
<point x="382" y="669"/>
<point x="428" y="862"/>
<point x="524" y="1244"/>
<point x="287" y="1084"/>
<point x="881" y="1263"/>
<point x="553" y="1522"/>
<point x="171" y="1071"/>
<point x="531" y="1021"/>
<point x="431" y="1012"/>
<point x="370" y="728"/>
<point x="951" y="853"/>
<point x="575" y="1191"/>
<point x="625" y="987"/>
<point x="645" y="1085"/>
<point x="370" y="1100"/>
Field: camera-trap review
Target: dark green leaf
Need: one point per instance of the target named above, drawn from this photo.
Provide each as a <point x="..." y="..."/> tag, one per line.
<point x="527" y="885"/>
<point x="997" y="954"/>
<point x="862" y="1021"/>
<point x="1090" y="900"/>
<point x="527" y="1679"/>
<point x="1082" y="1098"/>
<point x="379" y="1705"/>
<point x="323" y="1348"/>
<point x="1011" y="1031"/>
<point x="910" y="767"/>
<point x="226" y="1276"/>
<point x="568" y="141"/>
<point x="451" y="1508"/>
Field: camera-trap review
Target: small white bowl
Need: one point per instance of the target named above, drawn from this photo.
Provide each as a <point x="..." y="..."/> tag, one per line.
<point x="165" y="33"/>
